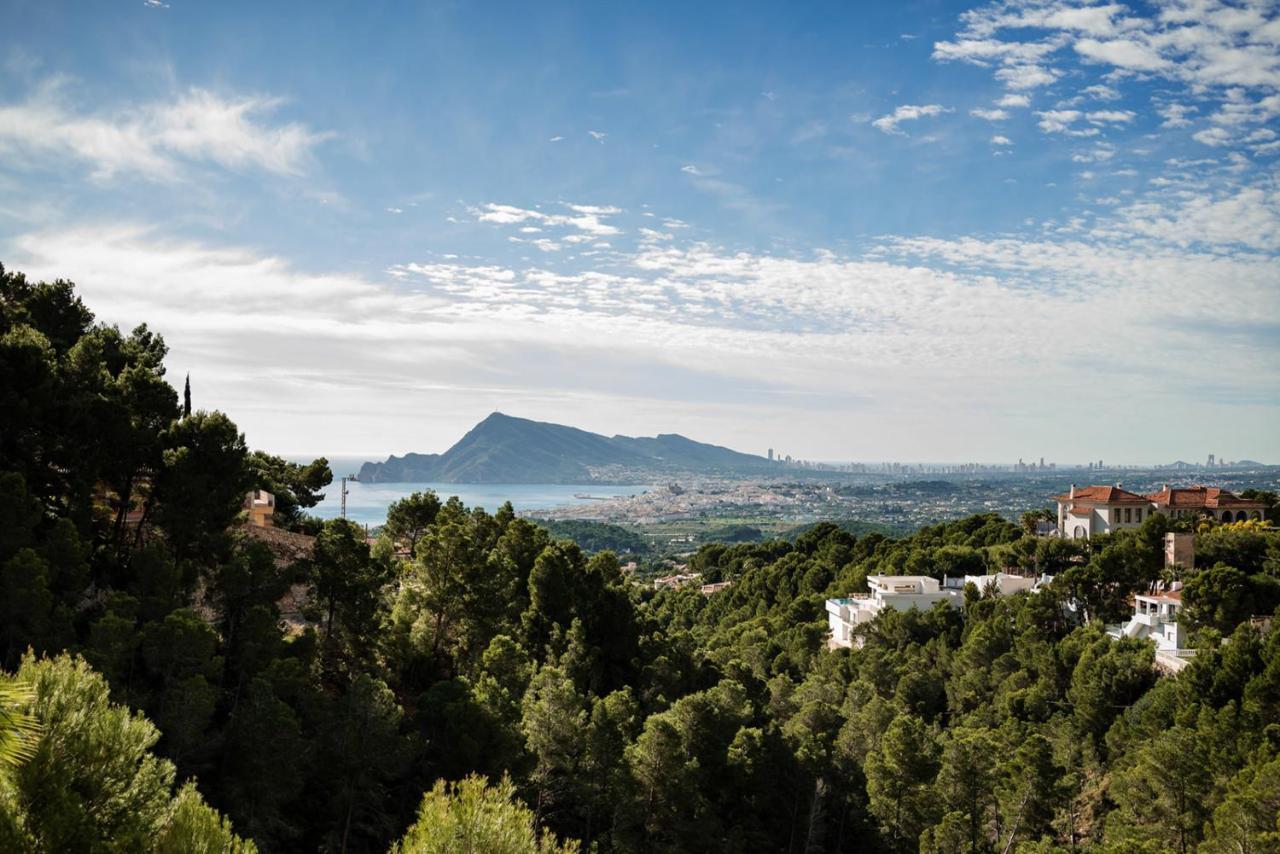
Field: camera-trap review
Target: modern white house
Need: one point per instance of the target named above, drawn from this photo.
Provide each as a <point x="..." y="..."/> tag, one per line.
<point x="904" y="592"/>
<point x="1155" y="617"/>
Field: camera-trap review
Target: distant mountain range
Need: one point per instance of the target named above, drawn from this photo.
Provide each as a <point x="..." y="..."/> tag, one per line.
<point x="503" y="449"/>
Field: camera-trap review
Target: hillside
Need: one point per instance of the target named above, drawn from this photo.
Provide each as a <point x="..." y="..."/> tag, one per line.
<point x="504" y="449"/>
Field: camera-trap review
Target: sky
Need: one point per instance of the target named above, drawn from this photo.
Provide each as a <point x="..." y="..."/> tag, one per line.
<point x="847" y="231"/>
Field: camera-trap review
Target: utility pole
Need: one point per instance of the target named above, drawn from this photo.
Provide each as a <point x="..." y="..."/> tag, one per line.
<point x="353" y="479"/>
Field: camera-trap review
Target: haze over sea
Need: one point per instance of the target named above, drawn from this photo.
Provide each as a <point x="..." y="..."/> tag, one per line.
<point x="367" y="503"/>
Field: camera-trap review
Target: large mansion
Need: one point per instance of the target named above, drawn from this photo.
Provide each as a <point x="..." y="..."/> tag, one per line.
<point x="1085" y="512"/>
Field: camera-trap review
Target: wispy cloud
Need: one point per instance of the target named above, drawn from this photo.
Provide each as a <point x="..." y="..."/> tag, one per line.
<point x="158" y="139"/>
<point x="1014" y="100"/>
<point x="906" y="113"/>
<point x="989" y="115"/>
<point x="585" y="218"/>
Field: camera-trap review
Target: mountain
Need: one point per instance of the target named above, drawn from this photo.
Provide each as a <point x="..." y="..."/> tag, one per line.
<point x="504" y="449"/>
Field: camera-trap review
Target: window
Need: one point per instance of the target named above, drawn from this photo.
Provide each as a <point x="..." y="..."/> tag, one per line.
<point x="1128" y="514"/>
<point x="1138" y="515"/>
<point x="1117" y="516"/>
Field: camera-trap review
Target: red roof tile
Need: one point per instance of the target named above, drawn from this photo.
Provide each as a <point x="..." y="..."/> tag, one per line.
<point x="1202" y="497"/>
<point x="1103" y="495"/>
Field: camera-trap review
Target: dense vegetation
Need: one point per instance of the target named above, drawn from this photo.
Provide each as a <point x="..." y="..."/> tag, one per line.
<point x="158" y="701"/>
<point x="599" y="536"/>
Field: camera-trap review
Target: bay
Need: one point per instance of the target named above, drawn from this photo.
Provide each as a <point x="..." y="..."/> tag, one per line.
<point x="367" y="503"/>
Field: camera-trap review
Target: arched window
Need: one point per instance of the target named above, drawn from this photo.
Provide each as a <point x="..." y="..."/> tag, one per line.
<point x="1078" y="533"/>
<point x="1226" y="515"/>
<point x="1241" y="516"/>
<point x="1257" y="515"/>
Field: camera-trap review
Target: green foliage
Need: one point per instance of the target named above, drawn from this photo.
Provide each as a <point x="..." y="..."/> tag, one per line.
<point x="630" y="719"/>
<point x="202" y="484"/>
<point x="19" y="730"/>
<point x="598" y="536"/>
<point x="92" y="781"/>
<point x="346" y="581"/>
<point x="1219" y="598"/>
<point x="410" y="517"/>
<point x="296" y="487"/>
<point x="473" y="816"/>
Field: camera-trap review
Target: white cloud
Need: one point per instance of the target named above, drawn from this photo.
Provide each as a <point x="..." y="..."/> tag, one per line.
<point x="989" y="115"/>
<point x="1001" y="140"/>
<point x="1013" y="100"/>
<point x="1124" y="53"/>
<point x="1200" y="51"/>
<point x="556" y="138"/>
<point x="585" y="218"/>
<point x="1098" y="117"/>
<point x="598" y="136"/>
<point x="1214" y="136"/>
<point x="1101" y="92"/>
<point x="1249" y="217"/>
<point x="1057" y="121"/>
<point x="1175" y="115"/>
<point x="1097" y="154"/>
<point x="1019" y="77"/>
<point x="963" y="323"/>
<point x="690" y="169"/>
<point x="907" y="113"/>
<point x="157" y="140"/>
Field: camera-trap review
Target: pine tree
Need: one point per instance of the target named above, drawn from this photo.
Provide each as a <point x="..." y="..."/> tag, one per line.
<point x="186" y="398"/>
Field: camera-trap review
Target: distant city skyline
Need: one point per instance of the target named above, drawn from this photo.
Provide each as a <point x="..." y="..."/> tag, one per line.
<point x="919" y="230"/>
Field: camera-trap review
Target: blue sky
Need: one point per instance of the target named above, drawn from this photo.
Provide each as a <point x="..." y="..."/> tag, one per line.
<point x="847" y="231"/>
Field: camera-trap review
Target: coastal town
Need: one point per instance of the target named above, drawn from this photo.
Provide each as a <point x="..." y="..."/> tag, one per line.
<point x="892" y="502"/>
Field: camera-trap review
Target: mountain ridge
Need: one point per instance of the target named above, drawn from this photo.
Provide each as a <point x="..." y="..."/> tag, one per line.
<point x="507" y="449"/>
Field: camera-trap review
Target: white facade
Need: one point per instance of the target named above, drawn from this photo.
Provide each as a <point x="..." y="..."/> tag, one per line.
<point x="1094" y="510"/>
<point x="904" y="592"/>
<point x="1155" y="618"/>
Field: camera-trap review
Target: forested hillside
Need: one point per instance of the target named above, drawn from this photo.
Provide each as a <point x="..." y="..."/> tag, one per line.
<point x="156" y="700"/>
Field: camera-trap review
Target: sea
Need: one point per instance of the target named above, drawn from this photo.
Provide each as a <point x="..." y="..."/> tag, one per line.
<point x="367" y="503"/>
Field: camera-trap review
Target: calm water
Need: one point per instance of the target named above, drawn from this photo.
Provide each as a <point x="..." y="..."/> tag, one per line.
<point x="367" y="503"/>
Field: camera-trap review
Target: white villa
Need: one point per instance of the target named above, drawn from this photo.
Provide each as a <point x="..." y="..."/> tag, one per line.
<point x="1092" y="510"/>
<point x="1155" y="617"/>
<point x="904" y="592"/>
<point x="1087" y="511"/>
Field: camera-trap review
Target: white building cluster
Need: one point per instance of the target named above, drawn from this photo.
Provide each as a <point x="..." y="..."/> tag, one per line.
<point x="904" y="592"/>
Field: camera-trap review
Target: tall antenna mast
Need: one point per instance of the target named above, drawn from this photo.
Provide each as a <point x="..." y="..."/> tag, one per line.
<point x="353" y="479"/>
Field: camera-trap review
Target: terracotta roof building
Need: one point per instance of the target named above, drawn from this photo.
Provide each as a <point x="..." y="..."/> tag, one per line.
<point x="1207" y="500"/>
<point x="1084" y="512"/>
<point x="1092" y="510"/>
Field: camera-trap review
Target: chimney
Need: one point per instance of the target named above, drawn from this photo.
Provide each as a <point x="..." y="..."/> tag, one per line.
<point x="1164" y="487"/>
<point x="1119" y="485"/>
<point x="1072" y="494"/>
